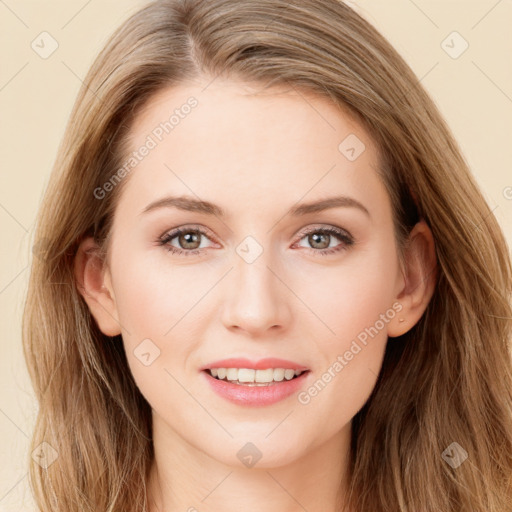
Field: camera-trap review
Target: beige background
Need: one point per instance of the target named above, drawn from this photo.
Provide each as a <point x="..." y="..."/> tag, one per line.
<point x="473" y="91"/>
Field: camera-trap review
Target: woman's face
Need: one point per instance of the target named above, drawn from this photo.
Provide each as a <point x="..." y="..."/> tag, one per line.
<point x="255" y="273"/>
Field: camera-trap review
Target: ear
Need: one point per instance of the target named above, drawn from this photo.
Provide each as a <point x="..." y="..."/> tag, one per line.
<point x="94" y="283"/>
<point x="416" y="284"/>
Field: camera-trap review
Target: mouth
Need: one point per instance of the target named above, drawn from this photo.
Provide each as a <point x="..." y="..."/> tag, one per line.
<point x="253" y="378"/>
<point x="249" y="383"/>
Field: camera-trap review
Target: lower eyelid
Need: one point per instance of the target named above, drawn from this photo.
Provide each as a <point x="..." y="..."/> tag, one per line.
<point x="168" y="237"/>
<point x="344" y="237"/>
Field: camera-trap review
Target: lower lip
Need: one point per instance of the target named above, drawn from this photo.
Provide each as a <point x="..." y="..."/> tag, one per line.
<point x="256" y="396"/>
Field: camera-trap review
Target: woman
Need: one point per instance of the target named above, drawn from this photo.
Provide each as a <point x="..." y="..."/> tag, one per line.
<point x="270" y="280"/>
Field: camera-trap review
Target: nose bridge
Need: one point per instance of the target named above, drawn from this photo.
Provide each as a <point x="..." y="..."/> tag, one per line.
<point x="256" y="298"/>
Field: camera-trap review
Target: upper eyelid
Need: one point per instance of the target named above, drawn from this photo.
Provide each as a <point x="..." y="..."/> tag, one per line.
<point x="301" y="234"/>
<point x="187" y="227"/>
<point x="322" y="227"/>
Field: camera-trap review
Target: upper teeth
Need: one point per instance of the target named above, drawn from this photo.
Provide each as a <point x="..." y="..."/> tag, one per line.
<point x="250" y="375"/>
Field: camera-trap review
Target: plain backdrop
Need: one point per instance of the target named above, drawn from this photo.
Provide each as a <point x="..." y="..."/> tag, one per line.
<point x="473" y="89"/>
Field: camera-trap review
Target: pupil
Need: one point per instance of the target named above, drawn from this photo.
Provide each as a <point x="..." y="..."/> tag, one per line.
<point x="315" y="237"/>
<point x="189" y="238"/>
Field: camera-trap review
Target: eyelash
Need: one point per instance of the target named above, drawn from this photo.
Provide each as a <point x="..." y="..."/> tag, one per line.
<point x="343" y="235"/>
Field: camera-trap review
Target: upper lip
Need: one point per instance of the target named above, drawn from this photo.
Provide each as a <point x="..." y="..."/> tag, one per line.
<point x="261" y="364"/>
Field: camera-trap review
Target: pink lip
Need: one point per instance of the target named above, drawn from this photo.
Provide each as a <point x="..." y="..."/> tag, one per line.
<point x="262" y="364"/>
<point x="255" y="396"/>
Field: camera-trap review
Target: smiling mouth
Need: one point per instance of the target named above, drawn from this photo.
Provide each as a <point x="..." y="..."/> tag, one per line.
<point x="251" y="377"/>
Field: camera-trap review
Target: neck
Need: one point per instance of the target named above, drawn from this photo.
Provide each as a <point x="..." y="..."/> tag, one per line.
<point x="185" y="478"/>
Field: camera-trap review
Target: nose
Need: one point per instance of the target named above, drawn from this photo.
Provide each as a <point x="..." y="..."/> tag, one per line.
<point x="257" y="300"/>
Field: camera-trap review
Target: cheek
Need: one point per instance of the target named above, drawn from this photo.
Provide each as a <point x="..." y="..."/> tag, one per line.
<point x="352" y="296"/>
<point x="153" y="294"/>
<point x="157" y="305"/>
<point x="152" y="300"/>
<point x="357" y="307"/>
<point x="347" y="372"/>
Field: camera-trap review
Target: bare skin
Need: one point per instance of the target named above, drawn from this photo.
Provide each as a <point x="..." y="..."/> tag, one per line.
<point x="256" y="156"/>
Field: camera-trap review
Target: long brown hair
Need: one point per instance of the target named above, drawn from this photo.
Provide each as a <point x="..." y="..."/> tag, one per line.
<point x="447" y="380"/>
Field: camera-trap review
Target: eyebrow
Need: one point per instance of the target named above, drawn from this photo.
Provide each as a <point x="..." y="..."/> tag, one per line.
<point x="190" y="204"/>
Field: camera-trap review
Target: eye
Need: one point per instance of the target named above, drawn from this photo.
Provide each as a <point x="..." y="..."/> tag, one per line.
<point x="188" y="240"/>
<point x="320" y="240"/>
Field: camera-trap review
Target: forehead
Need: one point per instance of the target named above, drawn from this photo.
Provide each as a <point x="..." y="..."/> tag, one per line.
<point x="226" y="111"/>
<point x="226" y="139"/>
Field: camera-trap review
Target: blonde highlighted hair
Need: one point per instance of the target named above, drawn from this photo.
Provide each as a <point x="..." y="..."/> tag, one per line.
<point x="448" y="379"/>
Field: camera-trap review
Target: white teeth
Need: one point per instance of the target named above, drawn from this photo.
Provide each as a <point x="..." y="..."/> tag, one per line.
<point x="232" y="373"/>
<point x="279" y="374"/>
<point x="244" y="375"/>
<point x="289" y="374"/>
<point x="264" y="375"/>
<point x="255" y="376"/>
